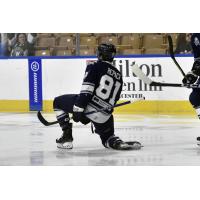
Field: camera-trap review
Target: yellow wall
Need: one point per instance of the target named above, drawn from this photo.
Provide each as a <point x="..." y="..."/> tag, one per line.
<point x="137" y="107"/>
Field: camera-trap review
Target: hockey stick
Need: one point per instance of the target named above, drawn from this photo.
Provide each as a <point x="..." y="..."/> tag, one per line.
<point x="139" y="73"/>
<point x="46" y="123"/>
<point x="171" y="52"/>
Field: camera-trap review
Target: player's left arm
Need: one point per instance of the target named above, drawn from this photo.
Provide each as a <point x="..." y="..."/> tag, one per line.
<point x="86" y="93"/>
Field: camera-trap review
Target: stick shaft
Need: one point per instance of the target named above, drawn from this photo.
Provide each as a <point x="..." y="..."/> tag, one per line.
<point x="46" y="123"/>
<point x="171" y="52"/>
<point x="139" y="73"/>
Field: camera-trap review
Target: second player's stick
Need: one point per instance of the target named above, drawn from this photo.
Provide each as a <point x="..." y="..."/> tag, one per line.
<point x="140" y="74"/>
<point x="171" y="52"/>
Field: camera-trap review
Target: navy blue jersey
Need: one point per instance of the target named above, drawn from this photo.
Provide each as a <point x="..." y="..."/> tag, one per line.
<point x="101" y="88"/>
<point x="195" y="42"/>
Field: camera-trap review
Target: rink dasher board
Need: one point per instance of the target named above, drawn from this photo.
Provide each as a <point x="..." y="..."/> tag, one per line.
<point x="62" y="75"/>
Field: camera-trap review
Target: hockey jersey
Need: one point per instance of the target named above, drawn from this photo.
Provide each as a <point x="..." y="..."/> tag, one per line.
<point x="101" y="88"/>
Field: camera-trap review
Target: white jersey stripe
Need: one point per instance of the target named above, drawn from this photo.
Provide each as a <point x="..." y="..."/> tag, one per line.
<point x="88" y="88"/>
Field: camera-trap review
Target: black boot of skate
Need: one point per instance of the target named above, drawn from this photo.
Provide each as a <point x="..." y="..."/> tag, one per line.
<point x="198" y="141"/>
<point x="117" y="144"/>
<point x="65" y="141"/>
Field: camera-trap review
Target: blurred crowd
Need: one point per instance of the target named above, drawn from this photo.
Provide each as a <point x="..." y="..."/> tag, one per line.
<point x="50" y="44"/>
<point x="17" y="44"/>
<point x="183" y="45"/>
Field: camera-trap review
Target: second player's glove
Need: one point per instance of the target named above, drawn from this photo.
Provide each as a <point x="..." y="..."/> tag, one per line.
<point x="190" y="78"/>
<point x="196" y="67"/>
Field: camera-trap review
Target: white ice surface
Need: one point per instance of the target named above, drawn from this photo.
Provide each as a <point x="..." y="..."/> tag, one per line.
<point x="167" y="140"/>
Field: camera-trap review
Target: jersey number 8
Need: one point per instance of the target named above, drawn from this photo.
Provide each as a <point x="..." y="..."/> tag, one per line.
<point x="105" y="88"/>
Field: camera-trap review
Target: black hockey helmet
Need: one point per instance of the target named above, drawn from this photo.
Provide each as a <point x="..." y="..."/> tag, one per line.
<point x="106" y="52"/>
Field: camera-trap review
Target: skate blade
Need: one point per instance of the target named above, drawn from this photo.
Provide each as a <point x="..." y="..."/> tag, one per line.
<point x="134" y="145"/>
<point x="66" y="145"/>
<point x="130" y="147"/>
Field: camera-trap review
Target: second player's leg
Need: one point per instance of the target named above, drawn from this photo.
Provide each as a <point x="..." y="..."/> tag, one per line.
<point x="195" y="101"/>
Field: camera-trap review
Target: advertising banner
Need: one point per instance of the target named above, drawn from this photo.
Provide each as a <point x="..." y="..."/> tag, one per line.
<point x="35" y="84"/>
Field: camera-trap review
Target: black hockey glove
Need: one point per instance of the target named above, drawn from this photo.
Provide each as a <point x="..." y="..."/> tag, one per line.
<point x="190" y="78"/>
<point x="110" y="110"/>
<point x="77" y="113"/>
<point x="196" y="67"/>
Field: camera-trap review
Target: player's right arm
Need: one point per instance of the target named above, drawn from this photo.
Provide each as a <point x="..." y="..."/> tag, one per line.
<point x="192" y="76"/>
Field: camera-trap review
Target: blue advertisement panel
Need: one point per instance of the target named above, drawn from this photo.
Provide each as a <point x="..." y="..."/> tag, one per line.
<point x="35" y="84"/>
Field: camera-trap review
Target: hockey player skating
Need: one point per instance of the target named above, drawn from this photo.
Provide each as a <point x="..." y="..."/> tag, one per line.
<point x="193" y="76"/>
<point x="101" y="87"/>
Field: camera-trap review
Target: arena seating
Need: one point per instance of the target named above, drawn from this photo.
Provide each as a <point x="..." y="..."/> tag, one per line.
<point x="62" y="51"/>
<point x="66" y="41"/>
<point x="61" y="44"/>
<point x="90" y="41"/>
<point x="155" y="51"/>
<point x="87" y="52"/>
<point x="109" y="39"/>
<point x="43" y="42"/>
<point x="132" y="40"/>
<point x="130" y="51"/>
<point x="45" y="52"/>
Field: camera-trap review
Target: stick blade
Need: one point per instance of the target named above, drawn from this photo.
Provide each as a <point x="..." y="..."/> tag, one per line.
<point x="139" y="73"/>
<point x="41" y="119"/>
<point x="44" y="121"/>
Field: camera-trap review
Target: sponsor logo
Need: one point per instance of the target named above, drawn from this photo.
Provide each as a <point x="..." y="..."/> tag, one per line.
<point x="35" y="66"/>
<point x="132" y="86"/>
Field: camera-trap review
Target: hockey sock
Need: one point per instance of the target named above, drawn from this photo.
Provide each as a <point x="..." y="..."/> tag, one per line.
<point x="63" y="119"/>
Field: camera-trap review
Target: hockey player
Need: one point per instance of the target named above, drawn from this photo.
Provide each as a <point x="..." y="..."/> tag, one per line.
<point x="101" y="87"/>
<point x="193" y="76"/>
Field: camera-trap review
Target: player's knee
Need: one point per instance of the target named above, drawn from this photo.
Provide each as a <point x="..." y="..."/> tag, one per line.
<point x="56" y="102"/>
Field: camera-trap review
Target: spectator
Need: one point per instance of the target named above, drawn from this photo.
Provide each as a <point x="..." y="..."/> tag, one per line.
<point x="31" y="37"/>
<point x="21" y="47"/>
<point x="183" y="45"/>
<point x="4" y="45"/>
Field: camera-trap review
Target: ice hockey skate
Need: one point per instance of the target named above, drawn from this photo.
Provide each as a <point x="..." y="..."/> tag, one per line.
<point x="127" y="146"/>
<point x="198" y="141"/>
<point x="65" y="141"/>
<point x="117" y="144"/>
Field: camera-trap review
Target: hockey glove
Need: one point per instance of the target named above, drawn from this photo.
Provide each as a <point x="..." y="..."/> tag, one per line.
<point x="196" y="67"/>
<point x="78" y="114"/>
<point x="190" y="78"/>
<point x="110" y="110"/>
